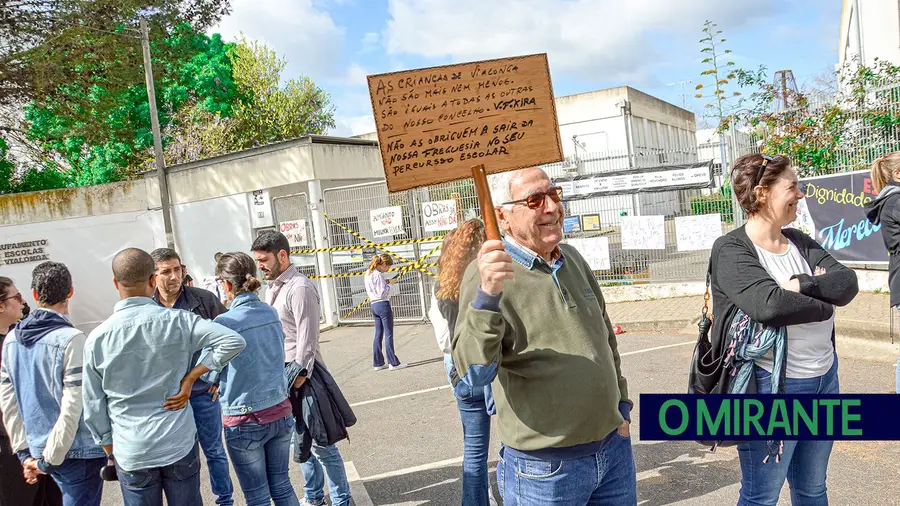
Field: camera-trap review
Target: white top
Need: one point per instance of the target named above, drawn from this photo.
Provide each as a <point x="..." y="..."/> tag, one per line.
<point x="810" y="352"/>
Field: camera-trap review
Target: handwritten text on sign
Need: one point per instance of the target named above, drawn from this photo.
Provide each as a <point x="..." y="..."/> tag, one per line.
<point x="439" y="215"/>
<point x="295" y="231"/>
<point x="595" y="250"/>
<point x="695" y="233"/>
<point x="435" y="124"/>
<point x="643" y="232"/>
<point x="386" y="221"/>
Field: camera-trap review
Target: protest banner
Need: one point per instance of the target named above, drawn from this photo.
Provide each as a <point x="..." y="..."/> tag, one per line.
<point x="833" y="213"/>
<point x="465" y="120"/>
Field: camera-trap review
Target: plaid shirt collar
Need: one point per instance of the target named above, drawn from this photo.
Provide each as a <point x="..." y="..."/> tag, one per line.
<point x="528" y="258"/>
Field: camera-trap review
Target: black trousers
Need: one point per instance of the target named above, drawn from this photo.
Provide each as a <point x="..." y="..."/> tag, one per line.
<point x="13" y="489"/>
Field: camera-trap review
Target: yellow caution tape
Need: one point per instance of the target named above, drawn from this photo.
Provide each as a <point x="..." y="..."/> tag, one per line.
<point x="363" y="273"/>
<point x="403" y="270"/>
<point x="380" y="245"/>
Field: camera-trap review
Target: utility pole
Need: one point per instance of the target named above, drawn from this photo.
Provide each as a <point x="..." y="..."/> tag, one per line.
<point x="157" y="137"/>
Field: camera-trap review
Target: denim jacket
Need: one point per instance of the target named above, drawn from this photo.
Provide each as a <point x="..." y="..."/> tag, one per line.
<point x="254" y="380"/>
<point x="35" y="365"/>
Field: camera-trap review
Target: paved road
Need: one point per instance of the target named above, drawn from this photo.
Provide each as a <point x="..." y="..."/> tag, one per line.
<point x="407" y="447"/>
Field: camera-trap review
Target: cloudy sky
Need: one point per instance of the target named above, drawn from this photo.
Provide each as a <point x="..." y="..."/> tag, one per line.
<point x="592" y="44"/>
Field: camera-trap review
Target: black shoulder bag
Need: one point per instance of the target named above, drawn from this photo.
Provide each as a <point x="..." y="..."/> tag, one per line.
<point x="707" y="369"/>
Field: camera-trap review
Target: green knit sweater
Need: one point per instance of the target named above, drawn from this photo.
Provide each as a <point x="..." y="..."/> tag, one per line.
<point x="558" y="376"/>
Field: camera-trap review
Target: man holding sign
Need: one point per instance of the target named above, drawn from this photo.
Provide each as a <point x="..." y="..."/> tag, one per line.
<point x="532" y="315"/>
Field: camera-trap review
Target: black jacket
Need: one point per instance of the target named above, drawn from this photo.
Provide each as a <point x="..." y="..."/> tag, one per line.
<point x="739" y="280"/>
<point x="885" y="211"/>
<point x="202" y="303"/>
<point x="321" y="413"/>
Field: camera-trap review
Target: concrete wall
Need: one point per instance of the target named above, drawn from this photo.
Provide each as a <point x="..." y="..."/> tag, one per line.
<point x="271" y="166"/>
<point x="37" y="207"/>
<point x="877" y="29"/>
<point x="86" y="245"/>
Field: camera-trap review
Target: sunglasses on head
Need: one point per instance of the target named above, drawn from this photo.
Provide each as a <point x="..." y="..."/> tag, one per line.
<point x="762" y="169"/>
<point x="537" y="200"/>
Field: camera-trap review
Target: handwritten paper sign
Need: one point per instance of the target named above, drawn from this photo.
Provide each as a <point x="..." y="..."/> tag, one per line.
<point x="439" y="215"/>
<point x="695" y="233"/>
<point x="435" y="124"/>
<point x="595" y="250"/>
<point x="386" y="221"/>
<point x="295" y="231"/>
<point x="643" y="232"/>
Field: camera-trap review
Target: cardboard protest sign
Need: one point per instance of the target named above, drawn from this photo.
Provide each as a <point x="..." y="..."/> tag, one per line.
<point x="436" y="124"/>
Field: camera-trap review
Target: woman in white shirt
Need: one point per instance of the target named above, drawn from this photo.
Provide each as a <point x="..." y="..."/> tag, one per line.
<point x="379" y="292"/>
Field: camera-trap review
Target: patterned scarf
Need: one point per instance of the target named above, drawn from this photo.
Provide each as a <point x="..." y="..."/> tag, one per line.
<point x="750" y="341"/>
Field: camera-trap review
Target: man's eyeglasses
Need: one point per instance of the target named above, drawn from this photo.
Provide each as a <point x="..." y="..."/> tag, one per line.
<point x="762" y="169"/>
<point x="536" y="200"/>
<point x="17" y="297"/>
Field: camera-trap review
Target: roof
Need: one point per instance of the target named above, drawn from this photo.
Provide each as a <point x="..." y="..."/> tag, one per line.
<point x="267" y="148"/>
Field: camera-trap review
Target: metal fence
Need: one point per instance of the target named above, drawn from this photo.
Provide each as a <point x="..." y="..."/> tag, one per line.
<point x="347" y="215"/>
<point x="844" y="131"/>
<point x="606" y="212"/>
<point x="296" y="207"/>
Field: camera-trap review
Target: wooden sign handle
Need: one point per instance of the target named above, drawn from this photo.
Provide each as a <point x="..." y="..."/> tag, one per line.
<point x="487" y="205"/>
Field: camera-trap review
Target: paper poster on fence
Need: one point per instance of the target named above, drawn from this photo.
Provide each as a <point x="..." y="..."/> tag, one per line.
<point x="295" y="231"/>
<point x="695" y="233"/>
<point x="643" y="232"/>
<point x="439" y="215"/>
<point x="387" y="221"/>
<point x="595" y="250"/>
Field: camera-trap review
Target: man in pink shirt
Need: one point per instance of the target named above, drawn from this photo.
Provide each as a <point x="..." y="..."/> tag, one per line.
<point x="296" y="299"/>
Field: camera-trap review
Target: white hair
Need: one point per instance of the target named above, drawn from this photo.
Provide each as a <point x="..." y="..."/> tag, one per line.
<point x="501" y="186"/>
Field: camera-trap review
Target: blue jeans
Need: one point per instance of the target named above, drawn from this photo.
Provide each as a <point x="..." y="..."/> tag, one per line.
<point x="79" y="481"/>
<point x="476" y="424"/>
<point x="326" y="460"/>
<point x="180" y="482"/>
<point x="898" y="368"/>
<point x="384" y="325"/>
<point x="208" y="418"/>
<point x="803" y="463"/>
<point x="261" y="455"/>
<point x="604" y="478"/>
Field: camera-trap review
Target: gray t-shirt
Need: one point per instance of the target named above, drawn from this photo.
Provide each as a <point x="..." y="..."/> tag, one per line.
<point x="810" y="352"/>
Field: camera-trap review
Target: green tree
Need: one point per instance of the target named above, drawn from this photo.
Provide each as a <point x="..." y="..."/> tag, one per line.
<point x="48" y="48"/>
<point x="844" y="131"/>
<point x="111" y="143"/>
<point x="267" y="112"/>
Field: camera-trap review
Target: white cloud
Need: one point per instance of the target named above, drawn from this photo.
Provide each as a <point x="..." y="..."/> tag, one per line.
<point x="370" y="42"/>
<point x="354" y="125"/>
<point x="608" y="40"/>
<point x="297" y="30"/>
<point x="354" y="107"/>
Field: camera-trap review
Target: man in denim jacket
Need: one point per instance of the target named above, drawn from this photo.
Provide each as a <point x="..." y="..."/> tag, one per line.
<point x="40" y="393"/>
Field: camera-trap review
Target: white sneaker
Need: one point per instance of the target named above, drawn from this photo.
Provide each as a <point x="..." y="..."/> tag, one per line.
<point x="380" y="367"/>
<point x="399" y="366"/>
<point x="306" y="502"/>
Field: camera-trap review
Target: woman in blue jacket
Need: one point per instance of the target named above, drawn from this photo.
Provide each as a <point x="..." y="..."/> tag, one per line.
<point x="256" y="410"/>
